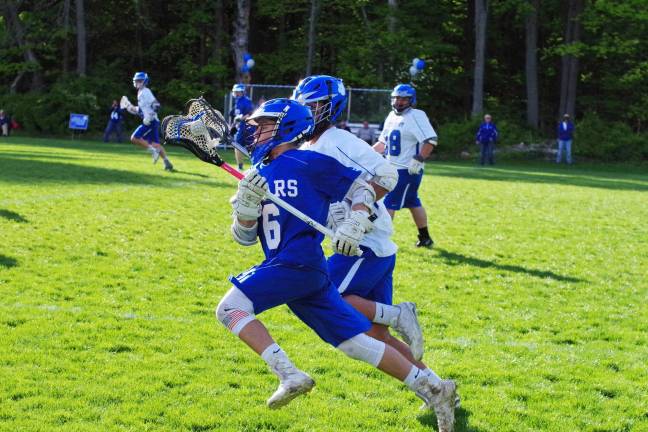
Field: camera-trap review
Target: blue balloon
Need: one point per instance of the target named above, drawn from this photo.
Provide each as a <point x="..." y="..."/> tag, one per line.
<point x="420" y="64"/>
<point x="245" y="68"/>
<point x="246" y="57"/>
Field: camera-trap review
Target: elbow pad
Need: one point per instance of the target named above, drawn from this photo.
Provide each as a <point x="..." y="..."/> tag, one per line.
<point x="386" y="176"/>
<point x="243" y="235"/>
<point x="361" y="192"/>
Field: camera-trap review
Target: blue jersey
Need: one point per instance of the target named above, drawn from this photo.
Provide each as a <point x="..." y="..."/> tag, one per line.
<point x="309" y="181"/>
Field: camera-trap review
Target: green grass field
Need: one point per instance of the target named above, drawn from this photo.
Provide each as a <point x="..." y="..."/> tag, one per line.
<point x="534" y="299"/>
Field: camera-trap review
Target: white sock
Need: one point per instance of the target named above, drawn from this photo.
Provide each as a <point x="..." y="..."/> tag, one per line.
<point x="277" y="360"/>
<point x="386" y="314"/>
<point x="436" y="379"/>
<point x="412" y="376"/>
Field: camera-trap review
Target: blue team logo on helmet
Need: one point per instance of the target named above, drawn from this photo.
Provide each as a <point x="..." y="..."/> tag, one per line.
<point x="236" y="88"/>
<point x="318" y="88"/>
<point x="140" y="76"/>
<point x="404" y="91"/>
<point x="277" y="122"/>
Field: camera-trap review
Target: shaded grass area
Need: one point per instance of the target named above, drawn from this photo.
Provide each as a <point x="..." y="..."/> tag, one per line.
<point x="110" y="268"/>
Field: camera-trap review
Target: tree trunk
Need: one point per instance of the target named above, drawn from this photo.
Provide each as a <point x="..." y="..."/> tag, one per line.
<point x="311" y="35"/>
<point x="391" y="19"/>
<point x="217" y="33"/>
<point x="66" y="35"/>
<point x="240" y="36"/>
<point x="531" y="26"/>
<point x="15" y="29"/>
<point x="569" y="72"/>
<point x="481" y="18"/>
<point x="81" y="38"/>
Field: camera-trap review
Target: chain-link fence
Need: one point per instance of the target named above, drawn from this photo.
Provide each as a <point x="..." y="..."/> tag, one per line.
<point x="368" y="104"/>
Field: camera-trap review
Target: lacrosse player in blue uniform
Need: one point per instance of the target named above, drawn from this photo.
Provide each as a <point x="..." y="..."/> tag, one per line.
<point x="243" y="107"/>
<point x="408" y="139"/>
<point x="147" y="135"/>
<point x="365" y="282"/>
<point x="295" y="270"/>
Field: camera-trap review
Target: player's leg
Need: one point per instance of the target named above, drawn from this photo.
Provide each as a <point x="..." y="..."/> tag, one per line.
<point x="252" y="295"/>
<point x="412" y="201"/>
<point x="119" y="128"/>
<point x="366" y="283"/>
<point x="107" y="131"/>
<point x="154" y="136"/>
<point x="339" y="324"/>
<point x="139" y="137"/>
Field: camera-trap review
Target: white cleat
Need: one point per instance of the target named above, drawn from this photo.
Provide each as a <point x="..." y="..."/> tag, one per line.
<point x="408" y="328"/>
<point x="155" y="154"/>
<point x="293" y="385"/>
<point x="441" y="398"/>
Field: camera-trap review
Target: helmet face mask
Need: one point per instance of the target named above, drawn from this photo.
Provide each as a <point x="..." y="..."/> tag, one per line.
<point x="274" y="123"/>
<point x="238" y="90"/>
<point x="140" y="80"/>
<point x="325" y="96"/>
<point x="403" y="97"/>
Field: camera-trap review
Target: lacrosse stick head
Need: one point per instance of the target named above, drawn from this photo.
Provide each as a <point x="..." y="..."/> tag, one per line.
<point x="192" y="134"/>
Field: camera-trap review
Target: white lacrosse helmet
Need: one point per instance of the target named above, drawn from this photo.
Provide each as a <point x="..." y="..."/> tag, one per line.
<point x="238" y="88"/>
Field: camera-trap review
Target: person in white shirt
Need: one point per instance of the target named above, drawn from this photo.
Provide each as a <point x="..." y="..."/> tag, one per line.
<point x="147" y="135"/>
<point x="407" y="140"/>
<point x="365" y="282"/>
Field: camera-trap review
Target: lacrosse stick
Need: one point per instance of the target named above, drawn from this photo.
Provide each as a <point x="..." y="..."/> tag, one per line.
<point x="204" y="128"/>
<point x="124" y="103"/>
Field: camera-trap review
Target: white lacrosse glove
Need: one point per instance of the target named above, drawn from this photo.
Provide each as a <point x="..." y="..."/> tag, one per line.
<point x="350" y="232"/>
<point x="133" y="110"/>
<point x="415" y="166"/>
<point x="146" y="121"/>
<point x="337" y="213"/>
<point x="251" y="191"/>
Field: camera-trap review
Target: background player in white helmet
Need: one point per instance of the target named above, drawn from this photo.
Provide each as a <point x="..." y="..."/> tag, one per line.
<point x="365" y="282"/>
<point x="408" y="139"/>
<point x="147" y="134"/>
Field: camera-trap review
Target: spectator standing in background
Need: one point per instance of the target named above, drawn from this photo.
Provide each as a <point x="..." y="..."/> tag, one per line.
<point x="565" y="139"/>
<point x="365" y="133"/>
<point x="486" y="138"/>
<point x="5" y="123"/>
<point x="114" y="122"/>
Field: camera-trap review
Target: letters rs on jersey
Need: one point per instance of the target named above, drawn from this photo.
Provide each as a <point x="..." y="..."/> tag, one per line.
<point x="310" y="182"/>
<point x="404" y="134"/>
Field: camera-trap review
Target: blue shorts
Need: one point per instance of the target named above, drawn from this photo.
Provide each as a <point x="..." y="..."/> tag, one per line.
<point x="309" y="293"/>
<point x="405" y="194"/>
<point x="368" y="276"/>
<point x="151" y="133"/>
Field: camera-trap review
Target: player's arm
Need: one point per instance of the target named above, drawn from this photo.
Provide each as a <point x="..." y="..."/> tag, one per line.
<point x="379" y="147"/>
<point x="247" y="207"/>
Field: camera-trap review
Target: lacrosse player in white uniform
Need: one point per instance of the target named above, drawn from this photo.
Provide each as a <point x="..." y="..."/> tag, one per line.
<point x="147" y="135"/>
<point x="407" y="140"/>
<point x="364" y="282"/>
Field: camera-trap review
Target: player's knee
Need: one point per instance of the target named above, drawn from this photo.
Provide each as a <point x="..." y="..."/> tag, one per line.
<point x="235" y="310"/>
<point x="379" y="332"/>
<point x="364" y="348"/>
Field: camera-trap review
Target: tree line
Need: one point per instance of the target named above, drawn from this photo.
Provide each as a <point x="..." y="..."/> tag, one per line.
<point x="525" y="61"/>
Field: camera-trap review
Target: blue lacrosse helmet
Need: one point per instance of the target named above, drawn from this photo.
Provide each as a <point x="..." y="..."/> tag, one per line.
<point x="317" y="88"/>
<point x="140" y="76"/>
<point x="291" y="122"/>
<point x="405" y="91"/>
<point x="238" y="88"/>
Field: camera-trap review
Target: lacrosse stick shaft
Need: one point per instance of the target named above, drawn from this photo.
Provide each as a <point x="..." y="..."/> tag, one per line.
<point x="398" y="164"/>
<point x="289" y="208"/>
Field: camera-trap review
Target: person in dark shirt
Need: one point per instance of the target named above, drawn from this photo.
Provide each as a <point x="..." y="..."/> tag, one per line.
<point x="565" y="139"/>
<point x="5" y="123"/>
<point x="486" y="138"/>
<point x="114" y="122"/>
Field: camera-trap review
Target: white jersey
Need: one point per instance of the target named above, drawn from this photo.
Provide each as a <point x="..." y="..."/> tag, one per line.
<point x="355" y="153"/>
<point x="147" y="103"/>
<point x="404" y="135"/>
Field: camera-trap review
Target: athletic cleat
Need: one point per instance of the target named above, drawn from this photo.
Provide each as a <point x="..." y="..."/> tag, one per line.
<point x="295" y="384"/>
<point x="155" y="154"/>
<point x="440" y="397"/>
<point x="426" y="242"/>
<point x="168" y="166"/>
<point x="408" y="328"/>
<point x="457" y="403"/>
